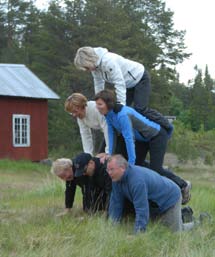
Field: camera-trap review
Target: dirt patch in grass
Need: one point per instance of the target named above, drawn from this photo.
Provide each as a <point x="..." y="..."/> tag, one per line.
<point x="171" y="160"/>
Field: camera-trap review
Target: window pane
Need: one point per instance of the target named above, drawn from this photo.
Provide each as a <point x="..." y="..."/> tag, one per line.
<point x="21" y="130"/>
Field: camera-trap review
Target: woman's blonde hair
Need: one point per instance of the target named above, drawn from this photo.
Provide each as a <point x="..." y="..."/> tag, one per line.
<point x="75" y="100"/>
<point x="60" y="165"/>
<point x="85" y="58"/>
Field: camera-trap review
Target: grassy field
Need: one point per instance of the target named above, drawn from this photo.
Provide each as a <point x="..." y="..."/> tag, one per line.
<point x="30" y="198"/>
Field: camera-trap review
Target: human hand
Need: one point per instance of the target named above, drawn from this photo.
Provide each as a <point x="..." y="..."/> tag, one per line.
<point x="65" y="212"/>
<point x="103" y="157"/>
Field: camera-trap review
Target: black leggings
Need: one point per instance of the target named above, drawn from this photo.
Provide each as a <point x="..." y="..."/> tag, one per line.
<point x="139" y="95"/>
<point x="157" y="149"/>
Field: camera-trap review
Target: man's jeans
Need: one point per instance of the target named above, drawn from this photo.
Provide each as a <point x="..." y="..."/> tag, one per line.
<point x="172" y="218"/>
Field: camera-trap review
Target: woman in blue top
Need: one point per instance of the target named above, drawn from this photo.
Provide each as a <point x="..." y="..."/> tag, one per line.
<point x="140" y="134"/>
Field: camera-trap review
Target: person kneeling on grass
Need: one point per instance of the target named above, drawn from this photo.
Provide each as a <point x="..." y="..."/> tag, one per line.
<point x="140" y="186"/>
<point x="100" y="183"/>
<point x="86" y="172"/>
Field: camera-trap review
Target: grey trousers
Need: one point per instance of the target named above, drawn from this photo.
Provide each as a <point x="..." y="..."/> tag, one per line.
<point x="172" y="218"/>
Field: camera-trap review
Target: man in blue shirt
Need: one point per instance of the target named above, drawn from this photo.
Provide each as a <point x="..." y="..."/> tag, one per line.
<point x="140" y="185"/>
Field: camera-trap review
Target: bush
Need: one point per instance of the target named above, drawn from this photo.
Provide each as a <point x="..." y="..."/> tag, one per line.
<point x="189" y="145"/>
<point x="182" y="143"/>
<point x="209" y="159"/>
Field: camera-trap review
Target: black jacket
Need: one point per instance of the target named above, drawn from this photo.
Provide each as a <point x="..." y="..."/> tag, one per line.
<point x="95" y="190"/>
<point x="83" y="183"/>
<point x="100" y="186"/>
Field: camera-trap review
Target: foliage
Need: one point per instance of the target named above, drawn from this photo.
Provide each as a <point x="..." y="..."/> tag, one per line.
<point x="182" y="143"/>
<point x="196" y="109"/>
<point x="189" y="145"/>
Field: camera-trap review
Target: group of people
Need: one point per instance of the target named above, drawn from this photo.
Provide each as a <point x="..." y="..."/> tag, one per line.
<point x="120" y="175"/>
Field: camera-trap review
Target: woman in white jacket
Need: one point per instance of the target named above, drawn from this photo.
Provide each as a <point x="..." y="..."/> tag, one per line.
<point x="130" y="79"/>
<point x="88" y="117"/>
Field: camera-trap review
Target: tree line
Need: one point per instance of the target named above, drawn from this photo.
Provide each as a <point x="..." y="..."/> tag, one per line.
<point x="142" y="30"/>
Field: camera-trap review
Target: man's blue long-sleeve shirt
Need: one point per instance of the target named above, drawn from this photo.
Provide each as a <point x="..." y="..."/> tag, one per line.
<point x="138" y="185"/>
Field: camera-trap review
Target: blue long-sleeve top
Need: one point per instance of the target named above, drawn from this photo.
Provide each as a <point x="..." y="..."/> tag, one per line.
<point x="139" y="185"/>
<point x="133" y="126"/>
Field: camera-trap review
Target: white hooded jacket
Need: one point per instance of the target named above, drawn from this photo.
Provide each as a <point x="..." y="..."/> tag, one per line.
<point x="117" y="70"/>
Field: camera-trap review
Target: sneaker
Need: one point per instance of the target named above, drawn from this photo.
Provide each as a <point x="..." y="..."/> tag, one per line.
<point x="187" y="214"/>
<point x="186" y="195"/>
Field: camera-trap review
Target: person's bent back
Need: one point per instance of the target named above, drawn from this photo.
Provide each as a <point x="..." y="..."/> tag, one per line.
<point x="139" y="185"/>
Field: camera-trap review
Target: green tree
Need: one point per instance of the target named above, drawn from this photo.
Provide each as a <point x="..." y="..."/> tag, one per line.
<point x="176" y="106"/>
<point x="3" y="30"/>
<point x="209" y="84"/>
<point x="14" y="16"/>
<point x="208" y="81"/>
<point x="201" y="107"/>
<point x="161" y="91"/>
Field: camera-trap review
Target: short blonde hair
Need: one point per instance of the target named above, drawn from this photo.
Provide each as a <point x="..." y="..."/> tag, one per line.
<point x="75" y="100"/>
<point x="60" y="165"/>
<point x="85" y="58"/>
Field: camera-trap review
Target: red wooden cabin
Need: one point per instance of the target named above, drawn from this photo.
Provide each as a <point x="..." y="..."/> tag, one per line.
<point x="23" y="114"/>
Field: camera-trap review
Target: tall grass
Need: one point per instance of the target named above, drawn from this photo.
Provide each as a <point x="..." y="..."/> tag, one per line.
<point x="29" y="226"/>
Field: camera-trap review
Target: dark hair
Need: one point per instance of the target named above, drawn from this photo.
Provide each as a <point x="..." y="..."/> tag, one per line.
<point x="108" y="97"/>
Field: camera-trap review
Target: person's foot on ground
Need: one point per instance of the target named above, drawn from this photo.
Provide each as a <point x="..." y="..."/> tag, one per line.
<point x="186" y="195"/>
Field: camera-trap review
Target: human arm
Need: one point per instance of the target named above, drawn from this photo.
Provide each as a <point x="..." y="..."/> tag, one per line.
<point x="86" y="200"/>
<point x="86" y="137"/>
<point x="127" y="133"/>
<point x="99" y="82"/>
<point x="104" y="127"/>
<point x="116" y="204"/>
<point x="113" y="74"/>
<point x="107" y="188"/>
<point x="70" y="194"/>
<point x="111" y="137"/>
<point x="69" y="198"/>
<point x="141" y="205"/>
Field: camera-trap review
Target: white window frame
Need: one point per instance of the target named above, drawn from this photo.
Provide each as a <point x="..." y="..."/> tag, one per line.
<point x="20" y="132"/>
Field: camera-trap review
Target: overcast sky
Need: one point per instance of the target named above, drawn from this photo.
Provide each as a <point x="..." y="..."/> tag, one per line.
<point x="197" y="17"/>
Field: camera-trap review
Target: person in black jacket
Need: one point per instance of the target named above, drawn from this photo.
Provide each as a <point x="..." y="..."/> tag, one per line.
<point x="65" y="170"/>
<point x="95" y="189"/>
<point x="99" y="181"/>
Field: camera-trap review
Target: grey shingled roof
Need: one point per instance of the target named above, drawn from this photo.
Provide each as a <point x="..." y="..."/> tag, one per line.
<point x="18" y="80"/>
